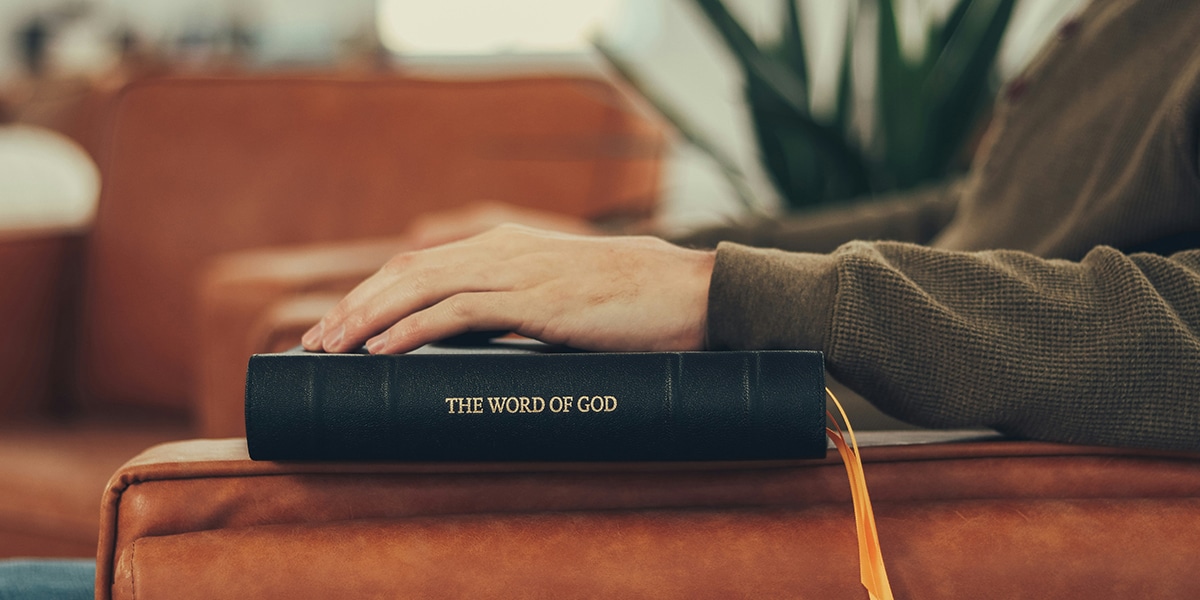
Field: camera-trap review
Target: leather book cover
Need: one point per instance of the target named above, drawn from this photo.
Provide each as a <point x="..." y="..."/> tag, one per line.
<point x="516" y="401"/>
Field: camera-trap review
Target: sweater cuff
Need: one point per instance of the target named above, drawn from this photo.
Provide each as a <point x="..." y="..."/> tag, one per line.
<point x="762" y="299"/>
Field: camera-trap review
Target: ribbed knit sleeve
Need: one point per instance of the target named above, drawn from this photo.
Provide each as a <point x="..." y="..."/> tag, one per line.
<point x="1101" y="351"/>
<point x="915" y="216"/>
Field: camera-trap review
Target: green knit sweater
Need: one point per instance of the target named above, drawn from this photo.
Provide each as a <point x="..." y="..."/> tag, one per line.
<point x="1015" y="299"/>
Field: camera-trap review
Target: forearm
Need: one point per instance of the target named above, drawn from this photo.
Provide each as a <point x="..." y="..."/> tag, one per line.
<point x="1101" y="351"/>
<point x="915" y="216"/>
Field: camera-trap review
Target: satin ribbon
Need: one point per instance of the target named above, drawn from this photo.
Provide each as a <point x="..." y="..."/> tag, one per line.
<point x="870" y="557"/>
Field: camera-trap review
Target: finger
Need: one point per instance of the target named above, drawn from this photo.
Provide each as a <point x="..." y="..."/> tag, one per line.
<point x="414" y="280"/>
<point x="457" y="314"/>
<point x="328" y="332"/>
<point x="409" y="293"/>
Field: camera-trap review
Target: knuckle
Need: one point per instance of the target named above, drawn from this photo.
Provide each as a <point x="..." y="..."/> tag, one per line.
<point x="419" y="281"/>
<point x="355" y="322"/>
<point x="405" y="330"/>
<point x="335" y="314"/>
<point x="398" y="264"/>
<point x="459" y="308"/>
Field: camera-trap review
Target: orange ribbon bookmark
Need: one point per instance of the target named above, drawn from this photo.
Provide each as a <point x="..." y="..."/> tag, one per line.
<point x="870" y="557"/>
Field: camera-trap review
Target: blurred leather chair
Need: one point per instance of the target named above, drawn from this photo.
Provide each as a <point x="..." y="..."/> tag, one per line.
<point x="101" y="355"/>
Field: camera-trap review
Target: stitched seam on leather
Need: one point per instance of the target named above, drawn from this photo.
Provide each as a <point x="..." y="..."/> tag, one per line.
<point x="110" y="553"/>
<point x="133" y="569"/>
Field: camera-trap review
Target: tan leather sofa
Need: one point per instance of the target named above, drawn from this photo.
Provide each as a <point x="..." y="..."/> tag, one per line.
<point x="100" y="358"/>
<point x="958" y="517"/>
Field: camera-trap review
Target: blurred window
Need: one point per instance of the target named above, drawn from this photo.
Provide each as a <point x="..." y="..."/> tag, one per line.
<point x="488" y="26"/>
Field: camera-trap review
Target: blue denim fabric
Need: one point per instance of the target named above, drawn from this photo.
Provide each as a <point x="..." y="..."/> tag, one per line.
<point x="47" y="579"/>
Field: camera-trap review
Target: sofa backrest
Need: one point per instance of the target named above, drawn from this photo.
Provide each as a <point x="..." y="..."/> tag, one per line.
<point x="195" y="167"/>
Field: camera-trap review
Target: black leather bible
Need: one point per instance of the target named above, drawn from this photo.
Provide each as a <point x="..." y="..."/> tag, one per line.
<point x="530" y="402"/>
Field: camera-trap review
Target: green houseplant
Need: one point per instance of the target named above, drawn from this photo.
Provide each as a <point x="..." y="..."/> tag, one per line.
<point x="925" y="110"/>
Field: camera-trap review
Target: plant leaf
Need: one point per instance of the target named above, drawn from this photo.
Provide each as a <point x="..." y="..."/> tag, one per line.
<point x="686" y="129"/>
<point x="773" y="89"/>
<point x="902" y="119"/>
<point x="791" y="47"/>
<point x="843" y="116"/>
<point x="943" y="34"/>
<point x="958" y="80"/>
<point x="754" y="61"/>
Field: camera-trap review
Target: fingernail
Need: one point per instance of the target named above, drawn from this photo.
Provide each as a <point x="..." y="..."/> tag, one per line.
<point x="335" y="340"/>
<point x="312" y="337"/>
<point x="375" y="344"/>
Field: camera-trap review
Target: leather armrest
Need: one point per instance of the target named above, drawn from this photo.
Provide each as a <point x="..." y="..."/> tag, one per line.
<point x="972" y="518"/>
<point x="37" y="269"/>
<point x="242" y="297"/>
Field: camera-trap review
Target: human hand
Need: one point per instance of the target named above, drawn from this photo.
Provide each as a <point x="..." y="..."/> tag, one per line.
<point x="592" y="293"/>
<point x="442" y="227"/>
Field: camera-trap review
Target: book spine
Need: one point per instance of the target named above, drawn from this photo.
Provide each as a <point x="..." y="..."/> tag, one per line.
<point x="567" y="407"/>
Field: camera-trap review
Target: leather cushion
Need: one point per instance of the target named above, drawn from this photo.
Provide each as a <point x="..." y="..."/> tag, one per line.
<point x="956" y="520"/>
<point x="1025" y="548"/>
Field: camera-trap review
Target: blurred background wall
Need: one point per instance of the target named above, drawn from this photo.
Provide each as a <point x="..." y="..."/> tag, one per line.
<point x="667" y="40"/>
